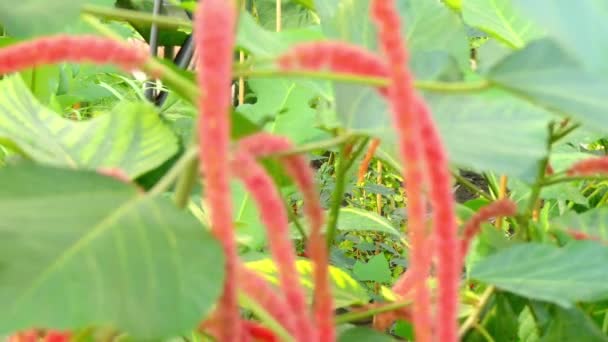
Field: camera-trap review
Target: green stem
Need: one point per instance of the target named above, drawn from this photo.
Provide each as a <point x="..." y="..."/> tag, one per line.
<point x="355" y="316"/>
<point x="336" y="197"/>
<point x="474" y="316"/>
<point x="557" y="180"/>
<point x="135" y="17"/>
<point x="186" y="182"/>
<point x="320" y="145"/>
<point x="561" y="134"/>
<point x="474" y="188"/>
<point x="360" y="79"/>
<point x="296" y="221"/>
<point x="169" y="178"/>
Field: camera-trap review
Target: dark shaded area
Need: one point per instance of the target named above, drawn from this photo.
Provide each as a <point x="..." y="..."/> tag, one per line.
<point x="462" y="193"/>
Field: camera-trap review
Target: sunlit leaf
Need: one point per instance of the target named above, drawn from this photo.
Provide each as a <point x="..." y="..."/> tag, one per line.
<point x="78" y="249"/>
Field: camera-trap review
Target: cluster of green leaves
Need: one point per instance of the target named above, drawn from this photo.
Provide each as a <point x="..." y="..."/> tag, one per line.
<point x="78" y="249"/>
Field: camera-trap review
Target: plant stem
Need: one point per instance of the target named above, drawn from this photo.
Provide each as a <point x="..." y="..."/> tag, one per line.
<point x="559" y="135"/>
<point x="557" y="180"/>
<point x="474" y="316"/>
<point x="135" y="17"/>
<point x="320" y="145"/>
<point x="360" y="79"/>
<point x="185" y="182"/>
<point x="355" y="316"/>
<point x="483" y="332"/>
<point x="182" y="163"/>
<point x="467" y="184"/>
<point x="336" y="197"/>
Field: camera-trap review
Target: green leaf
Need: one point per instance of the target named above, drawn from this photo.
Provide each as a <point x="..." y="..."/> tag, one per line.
<point x="353" y="219"/>
<point x="360" y="334"/>
<point x="283" y="108"/>
<point x="572" y="325"/>
<point x="268" y="43"/>
<point x="80" y="249"/>
<point x="426" y="25"/>
<point x="576" y="272"/>
<point x="593" y="222"/>
<point x="501" y="20"/>
<point x="132" y="137"/>
<point x="547" y="75"/>
<point x="579" y="26"/>
<point x="481" y="118"/>
<point x="28" y="18"/>
<point x="293" y="15"/>
<point x="376" y="269"/>
<point x="346" y="290"/>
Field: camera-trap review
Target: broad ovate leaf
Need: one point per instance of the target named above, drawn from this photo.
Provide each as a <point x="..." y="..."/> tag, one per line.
<point x="473" y="128"/>
<point x="593" y="222"/>
<point x="547" y="75"/>
<point x="131" y="138"/>
<point x="564" y="276"/>
<point x="78" y="249"/>
<point x="346" y="290"/>
<point x="501" y="20"/>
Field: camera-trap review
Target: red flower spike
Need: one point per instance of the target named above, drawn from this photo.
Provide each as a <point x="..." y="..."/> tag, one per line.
<point x="402" y="101"/>
<point x="502" y="207"/>
<point x="335" y="56"/>
<point x="373" y="146"/>
<point x="75" y="49"/>
<point x="589" y="167"/>
<point x="258" y="332"/>
<point x="57" y="336"/>
<point x="263" y="144"/>
<point x="445" y="227"/>
<point x="272" y="211"/>
<point x="215" y="29"/>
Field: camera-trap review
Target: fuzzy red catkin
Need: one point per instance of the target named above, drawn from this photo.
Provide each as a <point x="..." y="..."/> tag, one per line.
<point x="445" y="227"/>
<point x="502" y="207"/>
<point x="263" y="144"/>
<point x="373" y="146"/>
<point x="589" y="167"/>
<point x="336" y="56"/>
<point x="214" y="34"/>
<point x="272" y="211"/>
<point x="402" y="101"/>
<point x="258" y="332"/>
<point x="76" y="49"/>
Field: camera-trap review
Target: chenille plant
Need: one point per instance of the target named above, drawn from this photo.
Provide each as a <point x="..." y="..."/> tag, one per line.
<point x="123" y="226"/>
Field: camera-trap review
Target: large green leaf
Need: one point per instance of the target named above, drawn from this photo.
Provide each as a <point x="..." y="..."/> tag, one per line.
<point x="79" y="249"/>
<point x="283" y="108"/>
<point x="593" y="222"/>
<point x="27" y="18"/>
<point x="426" y="24"/>
<point x="500" y="19"/>
<point x="576" y="272"/>
<point x="132" y="137"/>
<point x="346" y="290"/>
<point x="354" y="219"/>
<point x="572" y="325"/>
<point x="267" y="43"/>
<point x="472" y="128"/>
<point x="579" y="26"/>
<point x="547" y="75"/>
<point x="293" y="15"/>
